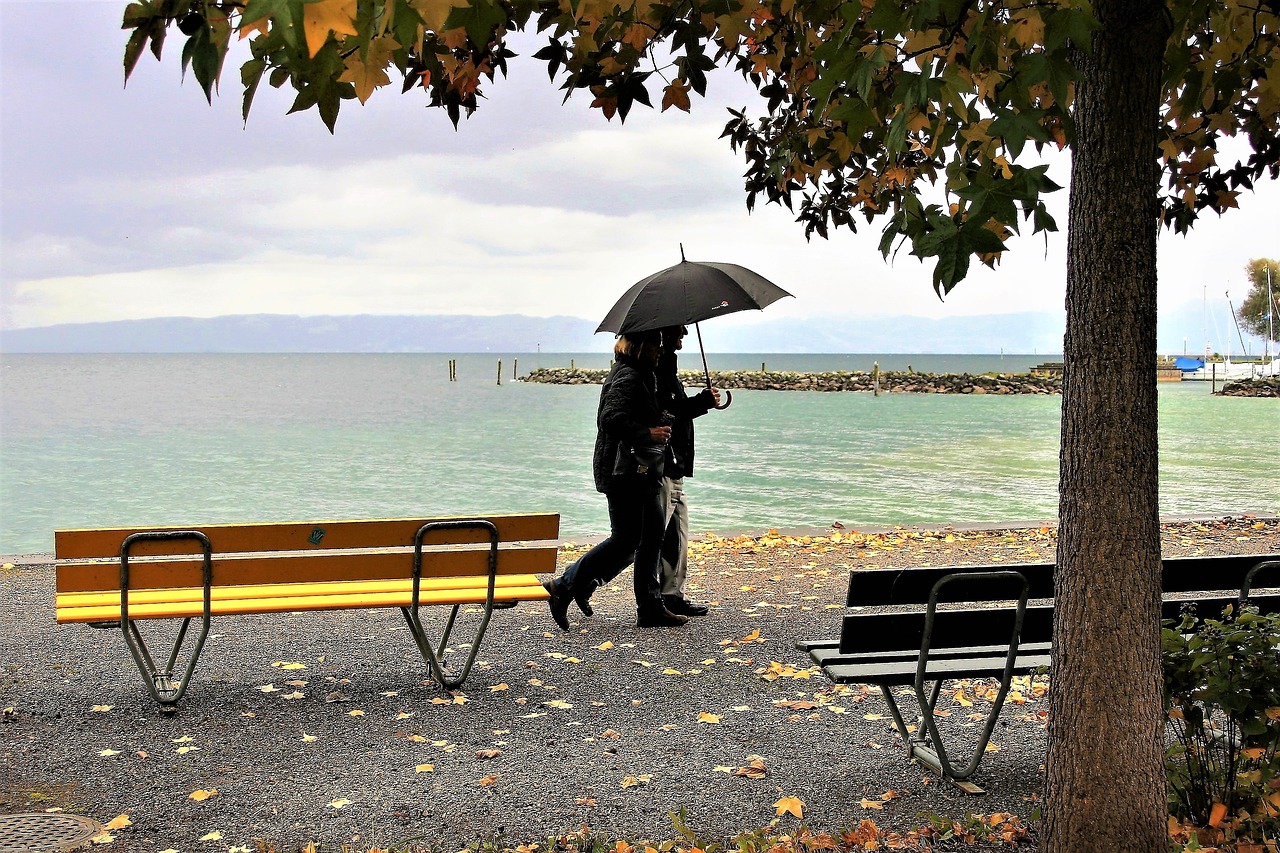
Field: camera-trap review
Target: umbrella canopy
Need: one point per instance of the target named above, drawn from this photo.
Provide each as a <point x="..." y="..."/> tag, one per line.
<point x="689" y="292"/>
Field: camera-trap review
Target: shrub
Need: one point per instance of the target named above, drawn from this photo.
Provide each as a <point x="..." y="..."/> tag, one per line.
<point x="1222" y="695"/>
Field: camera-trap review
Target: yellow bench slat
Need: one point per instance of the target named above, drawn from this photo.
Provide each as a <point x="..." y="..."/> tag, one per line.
<point x="303" y="568"/>
<point x="296" y="603"/>
<point x="285" y="590"/>
<point x="303" y="536"/>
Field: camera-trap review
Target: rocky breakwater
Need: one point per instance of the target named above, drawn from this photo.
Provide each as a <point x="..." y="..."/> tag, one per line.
<point x="1267" y="387"/>
<point x="889" y="381"/>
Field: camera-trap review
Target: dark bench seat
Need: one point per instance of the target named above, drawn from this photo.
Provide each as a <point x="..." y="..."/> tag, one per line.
<point x="913" y="626"/>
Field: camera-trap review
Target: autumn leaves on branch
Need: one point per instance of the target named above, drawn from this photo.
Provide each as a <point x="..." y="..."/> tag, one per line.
<point x="868" y="105"/>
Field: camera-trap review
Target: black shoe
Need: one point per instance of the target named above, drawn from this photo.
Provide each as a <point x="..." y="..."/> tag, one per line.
<point x="683" y="606"/>
<point x="660" y="618"/>
<point x="559" y="605"/>
<point x="583" y="600"/>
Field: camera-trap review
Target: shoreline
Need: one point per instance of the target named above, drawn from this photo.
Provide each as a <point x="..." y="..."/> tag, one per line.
<point x="39" y="558"/>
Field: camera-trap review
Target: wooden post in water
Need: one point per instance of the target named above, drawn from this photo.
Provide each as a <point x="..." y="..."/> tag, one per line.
<point x="571" y="364"/>
<point x="875" y="379"/>
<point x="763" y="369"/>
<point x="499" y="371"/>
<point x="515" y="368"/>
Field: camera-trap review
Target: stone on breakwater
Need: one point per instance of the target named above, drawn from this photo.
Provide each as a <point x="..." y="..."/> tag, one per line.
<point x="890" y="382"/>
<point x="1265" y="387"/>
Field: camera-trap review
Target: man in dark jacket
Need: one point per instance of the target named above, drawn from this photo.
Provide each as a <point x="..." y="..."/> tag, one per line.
<point x="673" y="398"/>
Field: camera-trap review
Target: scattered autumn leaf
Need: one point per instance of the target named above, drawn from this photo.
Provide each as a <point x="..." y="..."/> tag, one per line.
<point x="202" y="794"/>
<point x="488" y="780"/>
<point x="790" y="805"/>
<point x="119" y="822"/>
<point x="705" y="717"/>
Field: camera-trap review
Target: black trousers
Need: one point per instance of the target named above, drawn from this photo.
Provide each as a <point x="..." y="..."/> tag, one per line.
<point x="636" y="528"/>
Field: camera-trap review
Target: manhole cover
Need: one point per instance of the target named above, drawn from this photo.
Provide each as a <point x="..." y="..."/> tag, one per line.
<point x="28" y="833"/>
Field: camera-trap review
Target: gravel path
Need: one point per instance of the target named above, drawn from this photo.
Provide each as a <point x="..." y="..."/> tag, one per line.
<point x="323" y="727"/>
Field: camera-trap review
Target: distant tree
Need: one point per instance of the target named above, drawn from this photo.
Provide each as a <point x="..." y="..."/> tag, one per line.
<point x="1258" y="315"/>
<point x="914" y="113"/>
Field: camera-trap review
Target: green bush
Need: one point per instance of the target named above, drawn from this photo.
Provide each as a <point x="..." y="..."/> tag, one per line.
<point x="1222" y="695"/>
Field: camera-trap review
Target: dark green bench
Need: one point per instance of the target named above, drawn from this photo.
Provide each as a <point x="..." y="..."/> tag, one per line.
<point x="920" y="625"/>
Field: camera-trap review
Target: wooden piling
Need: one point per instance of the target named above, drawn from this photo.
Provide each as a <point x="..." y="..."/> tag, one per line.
<point x="499" y="371"/>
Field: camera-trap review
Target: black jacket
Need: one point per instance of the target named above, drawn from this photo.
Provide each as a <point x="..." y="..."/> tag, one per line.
<point x="628" y="408"/>
<point x="672" y="398"/>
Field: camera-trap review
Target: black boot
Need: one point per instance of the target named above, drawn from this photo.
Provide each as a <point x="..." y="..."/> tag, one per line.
<point x="659" y="617"/>
<point x="683" y="607"/>
<point x="582" y="598"/>
<point x="559" y="602"/>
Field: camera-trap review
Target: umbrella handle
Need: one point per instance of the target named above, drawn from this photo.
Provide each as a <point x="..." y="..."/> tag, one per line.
<point x="728" y="395"/>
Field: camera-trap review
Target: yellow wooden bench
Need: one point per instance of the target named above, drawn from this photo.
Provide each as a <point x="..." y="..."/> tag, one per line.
<point x="120" y="576"/>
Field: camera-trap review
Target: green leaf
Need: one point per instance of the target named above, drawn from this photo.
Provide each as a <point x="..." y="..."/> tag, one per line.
<point x="480" y="19"/>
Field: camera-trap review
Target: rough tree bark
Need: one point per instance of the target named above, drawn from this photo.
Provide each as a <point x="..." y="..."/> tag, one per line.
<point x="1105" y="785"/>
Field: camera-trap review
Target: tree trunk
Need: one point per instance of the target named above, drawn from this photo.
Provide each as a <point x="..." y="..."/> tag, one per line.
<point x="1105" y="782"/>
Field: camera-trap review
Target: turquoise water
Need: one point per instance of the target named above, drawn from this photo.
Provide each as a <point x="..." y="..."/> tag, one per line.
<point x="89" y="440"/>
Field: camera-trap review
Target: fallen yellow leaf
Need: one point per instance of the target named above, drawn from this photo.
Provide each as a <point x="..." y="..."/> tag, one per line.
<point x="704" y="717"/>
<point x="339" y="803"/>
<point x="119" y="822"/>
<point x="425" y="768"/>
<point x="202" y="794"/>
<point x="790" y="805"/>
<point x="212" y="836"/>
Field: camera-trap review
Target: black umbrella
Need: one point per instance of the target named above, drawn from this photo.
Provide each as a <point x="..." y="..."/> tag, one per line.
<point x="690" y="292"/>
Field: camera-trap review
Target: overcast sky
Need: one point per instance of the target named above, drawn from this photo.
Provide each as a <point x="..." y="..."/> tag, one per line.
<point x="144" y="201"/>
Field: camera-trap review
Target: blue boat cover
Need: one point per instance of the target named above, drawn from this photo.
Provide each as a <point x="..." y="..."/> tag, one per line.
<point x="1188" y="363"/>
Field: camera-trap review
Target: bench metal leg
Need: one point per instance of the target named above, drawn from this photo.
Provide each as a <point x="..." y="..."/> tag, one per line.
<point x="926" y="744"/>
<point x="433" y="653"/>
<point x="159" y="682"/>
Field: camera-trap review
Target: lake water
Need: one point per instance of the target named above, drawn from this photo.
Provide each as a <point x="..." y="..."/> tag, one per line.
<point x="115" y="440"/>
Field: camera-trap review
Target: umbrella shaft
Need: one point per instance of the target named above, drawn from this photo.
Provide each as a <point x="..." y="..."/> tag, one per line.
<point x="705" y="371"/>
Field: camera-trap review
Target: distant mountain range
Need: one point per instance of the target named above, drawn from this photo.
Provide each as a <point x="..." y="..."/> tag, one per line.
<point x="1029" y="332"/>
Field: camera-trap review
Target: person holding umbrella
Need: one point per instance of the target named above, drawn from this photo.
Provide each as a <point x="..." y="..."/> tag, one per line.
<point x="674" y="399"/>
<point x="629" y="425"/>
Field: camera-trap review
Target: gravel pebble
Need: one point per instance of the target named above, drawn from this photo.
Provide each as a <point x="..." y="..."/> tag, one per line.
<point x="551" y="731"/>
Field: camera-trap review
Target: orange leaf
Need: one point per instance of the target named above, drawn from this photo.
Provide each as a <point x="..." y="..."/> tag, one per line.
<point x="790" y="805"/>
<point x="871" y="804"/>
<point x="488" y="780"/>
<point x="676" y="95"/>
<point x="1216" y="815"/>
<point x="203" y="795"/>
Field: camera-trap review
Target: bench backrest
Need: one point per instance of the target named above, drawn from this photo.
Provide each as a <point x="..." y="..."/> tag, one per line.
<point x="305" y="552"/>
<point x="887" y="587"/>
<point x="969" y="616"/>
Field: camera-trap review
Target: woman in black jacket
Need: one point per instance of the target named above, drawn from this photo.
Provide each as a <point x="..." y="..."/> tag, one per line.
<point x="628" y="417"/>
